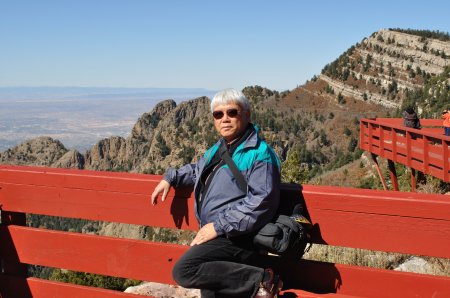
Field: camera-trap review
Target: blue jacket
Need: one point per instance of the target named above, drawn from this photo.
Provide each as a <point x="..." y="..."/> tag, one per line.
<point x="233" y="212"/>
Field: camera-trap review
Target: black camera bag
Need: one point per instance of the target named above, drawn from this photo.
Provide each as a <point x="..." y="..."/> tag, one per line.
<point x="285" y="237"/>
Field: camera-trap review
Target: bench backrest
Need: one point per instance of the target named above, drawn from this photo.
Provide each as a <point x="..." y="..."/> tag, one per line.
<point x="378" y="220"/>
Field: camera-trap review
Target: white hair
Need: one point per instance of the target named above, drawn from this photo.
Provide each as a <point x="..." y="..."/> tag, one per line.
<point x="228" y="96"/>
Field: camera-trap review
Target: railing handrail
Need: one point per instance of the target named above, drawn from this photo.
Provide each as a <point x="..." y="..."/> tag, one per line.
<point x="397" y="124"/>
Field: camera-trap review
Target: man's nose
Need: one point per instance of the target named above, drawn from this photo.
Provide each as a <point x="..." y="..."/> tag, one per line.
<point x="226" y="117"/>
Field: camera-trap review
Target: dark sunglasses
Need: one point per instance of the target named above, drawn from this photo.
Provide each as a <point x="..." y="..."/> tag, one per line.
<point x="232" y="113"/>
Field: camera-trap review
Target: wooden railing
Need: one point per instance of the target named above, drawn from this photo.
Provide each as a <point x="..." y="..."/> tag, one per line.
<point x="425" y="150"/>
<point x="408" y="223"/>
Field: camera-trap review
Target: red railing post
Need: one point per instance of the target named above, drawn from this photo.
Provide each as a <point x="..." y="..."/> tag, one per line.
<point x="394" y="144"/>
<point x="426" y="162"/>
<point x="369" y="138"/>
<point x="374" y="158"/>
<point x="393" y="174"/>
<point x="413" y="180"/>
<point x="381" y="140"/>
<point x="361" y="134"/>
<point x="408" y="148"/>
<point x="445" y="159"/>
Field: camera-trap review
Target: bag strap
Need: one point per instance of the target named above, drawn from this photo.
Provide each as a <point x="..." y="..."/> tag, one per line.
<point x="225" y="155"/>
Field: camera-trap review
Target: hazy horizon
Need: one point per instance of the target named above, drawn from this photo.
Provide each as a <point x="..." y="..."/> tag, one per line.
<point x="79" y="117"/>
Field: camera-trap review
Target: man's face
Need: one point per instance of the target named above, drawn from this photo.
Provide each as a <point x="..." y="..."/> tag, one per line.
<point x="230" y="120"/>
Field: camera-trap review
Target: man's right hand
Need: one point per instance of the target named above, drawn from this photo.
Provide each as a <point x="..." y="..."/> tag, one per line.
<point x="163" y="187"/>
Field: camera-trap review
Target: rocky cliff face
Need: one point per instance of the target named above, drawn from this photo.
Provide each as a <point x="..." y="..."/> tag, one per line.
<point x="130" y="154"/>
<point x="167" y="136"/>
<point x="384" y="67"/>
<point x="42" y="151"/>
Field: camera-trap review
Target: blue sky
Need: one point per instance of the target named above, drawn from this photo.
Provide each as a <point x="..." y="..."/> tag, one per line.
<point x="191" y="44"/>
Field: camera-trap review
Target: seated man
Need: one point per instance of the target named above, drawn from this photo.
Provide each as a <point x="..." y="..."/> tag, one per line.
<point x="218" y="261"/>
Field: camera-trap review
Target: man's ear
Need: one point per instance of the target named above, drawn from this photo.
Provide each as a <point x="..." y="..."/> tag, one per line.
<point x="247" y="114"/>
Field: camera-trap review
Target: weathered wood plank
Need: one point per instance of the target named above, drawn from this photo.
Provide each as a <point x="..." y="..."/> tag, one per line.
<point x="13" y="287"/>
<point x="135" y="259"/>
<point x="324" y="279"/>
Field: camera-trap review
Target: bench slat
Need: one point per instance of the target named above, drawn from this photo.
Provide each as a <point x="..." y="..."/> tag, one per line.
<point x="153" y="261"/>
<point x="13" y="287"/>
<point x="100" y="205"/>
<point x="325" y="278"/>
<point x="134" y="259"/>
<point x="388" y="221"/>
<point x="383" y="202"/>
<point x="383" y="233"/>
<point x="418" y="204"/>
<point x="150" y="261"/>
<point x="85" y="179"/>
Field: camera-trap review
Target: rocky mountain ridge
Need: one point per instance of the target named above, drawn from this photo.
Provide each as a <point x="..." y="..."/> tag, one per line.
<point x="313" y="128"/>
<point x="384" y="67"/>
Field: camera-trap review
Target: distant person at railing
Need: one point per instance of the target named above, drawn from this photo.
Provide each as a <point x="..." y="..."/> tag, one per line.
<point x="222" y="260"/>
<point x="446" y="117"/>
<point x="410" y="118"/>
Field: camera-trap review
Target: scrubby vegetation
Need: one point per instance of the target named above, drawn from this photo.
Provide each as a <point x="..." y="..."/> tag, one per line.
<point x="432" y="98"/>
<point x="444" y="36"/>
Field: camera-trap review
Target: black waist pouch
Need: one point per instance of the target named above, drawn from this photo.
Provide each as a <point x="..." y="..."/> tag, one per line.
<point x="287" y="236"/>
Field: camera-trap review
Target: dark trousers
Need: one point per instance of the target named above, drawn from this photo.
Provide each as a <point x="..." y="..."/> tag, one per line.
<point x="220" y="268"/>
<point x="447" y="131"/>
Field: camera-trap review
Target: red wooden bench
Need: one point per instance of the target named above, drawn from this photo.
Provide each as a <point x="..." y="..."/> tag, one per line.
<point x="378" y="220"/>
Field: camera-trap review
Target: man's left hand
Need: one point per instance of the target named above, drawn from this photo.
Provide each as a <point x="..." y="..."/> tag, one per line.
<point x="206" y="233"/>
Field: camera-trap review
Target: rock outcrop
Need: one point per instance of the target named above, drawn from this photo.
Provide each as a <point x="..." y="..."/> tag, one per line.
<point x="113" y="229"/>
<point x="159" y="139"/>
<point x="41" y="151"/>
<point x="162" y="290"/>
<point x="418" y="265"/>
<point x="384" y="67"/>
<point x="71" y="160"/>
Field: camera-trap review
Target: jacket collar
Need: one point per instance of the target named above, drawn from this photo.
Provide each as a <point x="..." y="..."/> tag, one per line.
<point x="250" y="142"/>
<point x="252" y="139"/>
